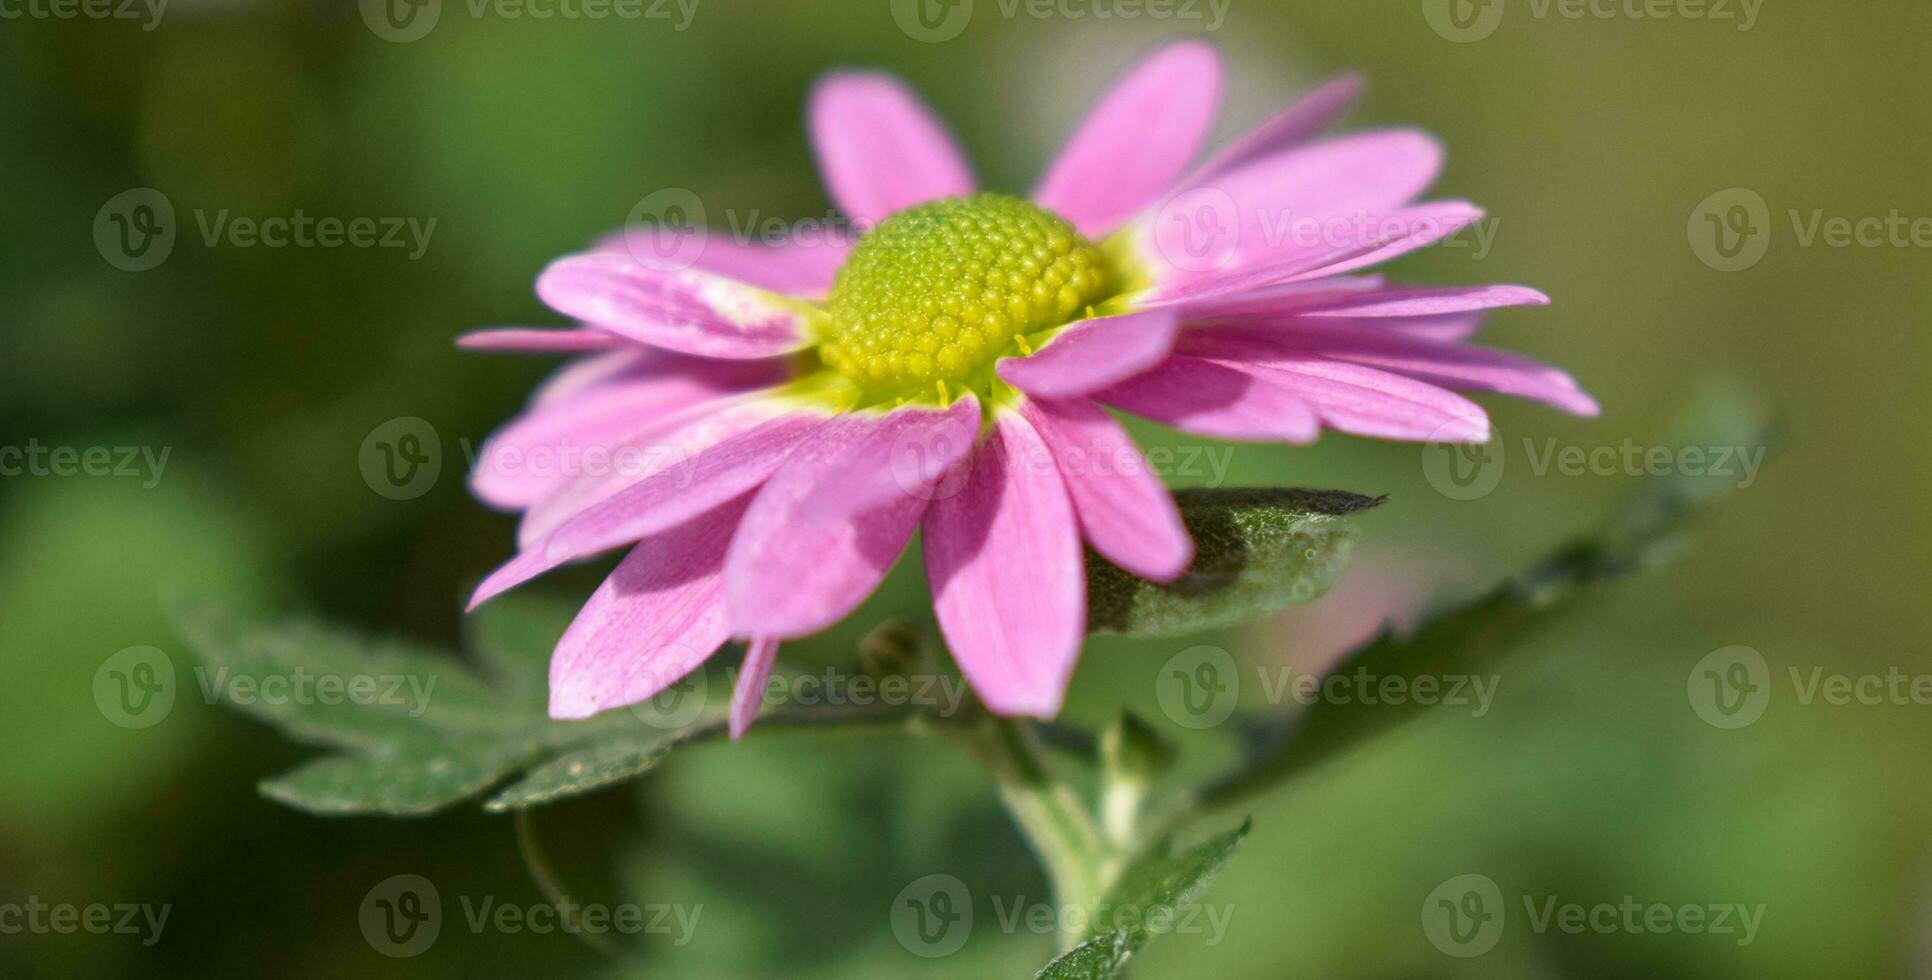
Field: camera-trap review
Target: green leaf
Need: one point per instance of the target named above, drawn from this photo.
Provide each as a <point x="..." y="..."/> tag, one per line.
<point x="413" y="730"/>
<point x="1257" y="551"/>
<point x="1645" y="533"/>
<point x="594" y="767"/>
<point x="1099" y="958"/>
<point x="1154" y="887"/>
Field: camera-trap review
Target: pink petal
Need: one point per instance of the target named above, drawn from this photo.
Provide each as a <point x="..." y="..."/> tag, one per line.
<point x="881" y="150"/>
<point x="1301" y="121"/>
<point x="1008" y="580"/>
<point x="652" y="447"/>
<point x="1350" y="397"/>
<point x="1460" y="326"/>
<point x="1226" y="401"/>
<point x="1275" y="300"/>
<point x="910" y="452"/>
<point x="526" y="565"/>
<point x="799" y="266"/>
<point x="685" y="310"/>
<point x="1125" y="511"/>
<point x="654" y="620"/>
<point x="1450" y="365"/>
<point x="537" y="339"/>
<point x="1293" y="206"/>
<point x="1381" y="237"/>
<point x="549" y="445"/>
<point x="588" y="372"/>
<point x="790" y="572"/>
<point x="692" y="481"/>
<point x="1418" y="227"/>
<point x="1137" y="140"/>
<point x="1413" y="302"/>
<point x="760" y="657"/>
<point x="1092" y="354"/>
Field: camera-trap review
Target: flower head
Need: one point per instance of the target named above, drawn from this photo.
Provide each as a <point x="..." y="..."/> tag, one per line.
<point x="768" y="426"/>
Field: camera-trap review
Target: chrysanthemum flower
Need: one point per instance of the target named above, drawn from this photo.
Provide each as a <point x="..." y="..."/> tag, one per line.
<point x="769" y="425"/>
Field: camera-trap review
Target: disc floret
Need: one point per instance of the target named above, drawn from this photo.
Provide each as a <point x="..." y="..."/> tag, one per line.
<point x="934" y="294"/>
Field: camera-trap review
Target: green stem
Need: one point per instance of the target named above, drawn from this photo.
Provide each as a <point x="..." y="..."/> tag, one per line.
<point x="1079" y="860"/>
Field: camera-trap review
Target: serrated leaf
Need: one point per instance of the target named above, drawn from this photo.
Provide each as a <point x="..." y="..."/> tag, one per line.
<point x="407" y="779"/>
<point x="1153" y="887"/>
<point x="1100" y="958"/>
<point x="1257" y="551"/>
<point x="592" y="768"/>
<point x="1645" y="533"/>
<point x="415" y="730"/>
<point x="1163" y="880"/>
<point x="442" y="733"/>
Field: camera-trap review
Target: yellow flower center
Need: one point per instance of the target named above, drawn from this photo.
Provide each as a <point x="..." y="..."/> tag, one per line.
<point x="934" y="294"/>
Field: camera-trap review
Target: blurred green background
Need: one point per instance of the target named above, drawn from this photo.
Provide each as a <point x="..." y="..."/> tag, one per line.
<point x="262" y="370"/>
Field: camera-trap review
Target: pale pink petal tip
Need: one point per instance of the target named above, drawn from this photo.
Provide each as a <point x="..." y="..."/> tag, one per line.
<point x="1125" y="511"/>
<point x="540" y="340"/>
<point x="760" y="656"/>
<point x="880" y="149"/>
<point x="652" y="622"/>
<point x="1008" y="576"/>
<point x="1137" y="141"/>
<point x="681" y="309"/>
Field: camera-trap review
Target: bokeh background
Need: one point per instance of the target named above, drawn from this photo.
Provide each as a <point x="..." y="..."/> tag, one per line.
<point x="261" y="371"/>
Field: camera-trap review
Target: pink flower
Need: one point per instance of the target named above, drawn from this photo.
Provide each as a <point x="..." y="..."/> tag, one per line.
<point x="770" y="424"/>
